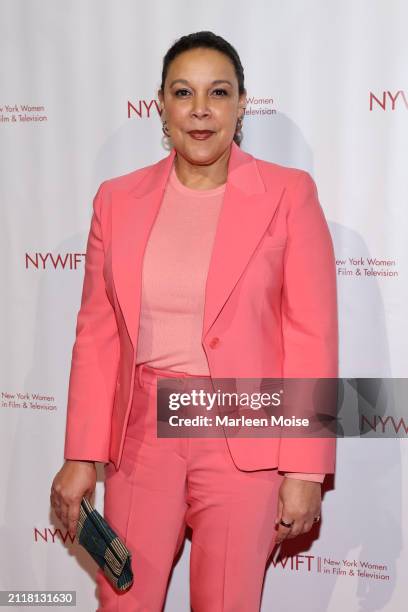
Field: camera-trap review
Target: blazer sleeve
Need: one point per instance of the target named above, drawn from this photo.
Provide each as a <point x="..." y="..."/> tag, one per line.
<point x="309" y="318"/>
<point x="95" y="355"/>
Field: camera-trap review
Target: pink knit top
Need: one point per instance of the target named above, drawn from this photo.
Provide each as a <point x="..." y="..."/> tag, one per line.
<point x="175" y="266"/>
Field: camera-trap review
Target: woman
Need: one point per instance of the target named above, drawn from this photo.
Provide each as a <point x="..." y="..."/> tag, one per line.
<point x="208" y="263"/>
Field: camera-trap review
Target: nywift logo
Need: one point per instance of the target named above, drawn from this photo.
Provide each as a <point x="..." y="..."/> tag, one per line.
<point x="388" y="100"/>
<point x="54" y="261"/>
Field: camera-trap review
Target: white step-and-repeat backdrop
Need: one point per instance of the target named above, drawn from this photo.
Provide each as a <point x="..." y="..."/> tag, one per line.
<point x="327" y="86"/>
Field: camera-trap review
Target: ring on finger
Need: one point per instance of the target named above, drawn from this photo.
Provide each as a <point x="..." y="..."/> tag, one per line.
<point x="282" y="522"/>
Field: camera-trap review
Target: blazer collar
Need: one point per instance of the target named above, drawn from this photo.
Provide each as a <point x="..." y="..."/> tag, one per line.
<point x="242" y="173"/>
<point x="247" y="209"/>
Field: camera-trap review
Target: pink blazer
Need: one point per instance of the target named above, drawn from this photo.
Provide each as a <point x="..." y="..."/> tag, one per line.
<point x="270" y="304"/>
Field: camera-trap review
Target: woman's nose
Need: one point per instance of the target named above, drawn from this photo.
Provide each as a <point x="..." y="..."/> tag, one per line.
<point x="200" y="107"/>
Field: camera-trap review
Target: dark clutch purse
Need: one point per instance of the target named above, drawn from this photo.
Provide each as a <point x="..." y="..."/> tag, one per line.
<point x="104" y="546"/>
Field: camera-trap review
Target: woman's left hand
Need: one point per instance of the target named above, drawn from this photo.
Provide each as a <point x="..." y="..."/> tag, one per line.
<point x="299" y="503"/>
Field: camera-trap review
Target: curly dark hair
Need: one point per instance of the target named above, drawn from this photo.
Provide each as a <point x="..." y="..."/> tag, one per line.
<point x="207" y="40"/>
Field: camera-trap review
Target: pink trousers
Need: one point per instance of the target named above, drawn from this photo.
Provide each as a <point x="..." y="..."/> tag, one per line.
<point x="165" y="484"/>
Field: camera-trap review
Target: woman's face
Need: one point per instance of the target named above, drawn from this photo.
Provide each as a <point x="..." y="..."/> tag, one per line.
<point x="201" y="93"/>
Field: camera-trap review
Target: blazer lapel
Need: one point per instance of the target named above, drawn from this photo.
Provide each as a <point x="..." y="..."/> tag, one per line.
<point x="133" y="216"/>
<point x="246" y="211"/>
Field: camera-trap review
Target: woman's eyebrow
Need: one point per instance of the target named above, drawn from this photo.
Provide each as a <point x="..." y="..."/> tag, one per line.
<point x="216" y="82"/>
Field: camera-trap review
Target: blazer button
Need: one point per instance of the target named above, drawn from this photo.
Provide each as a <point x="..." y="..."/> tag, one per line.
<point x="118" y="385"/>
<point x="214" y="342"/>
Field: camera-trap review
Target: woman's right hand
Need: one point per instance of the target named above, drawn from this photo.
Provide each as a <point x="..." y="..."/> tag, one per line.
<point x="76" y="479"/>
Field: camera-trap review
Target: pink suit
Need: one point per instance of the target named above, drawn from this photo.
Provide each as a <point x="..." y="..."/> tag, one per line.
<point x="270" y="310"/>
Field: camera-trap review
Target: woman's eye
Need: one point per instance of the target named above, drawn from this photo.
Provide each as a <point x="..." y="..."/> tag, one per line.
<point x="182" y="93"/>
